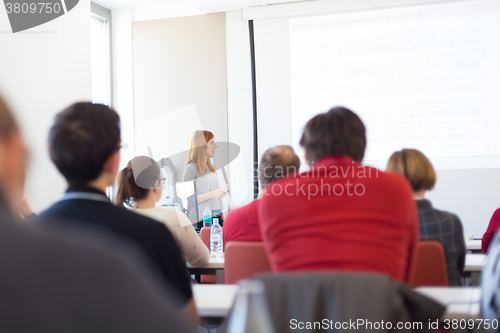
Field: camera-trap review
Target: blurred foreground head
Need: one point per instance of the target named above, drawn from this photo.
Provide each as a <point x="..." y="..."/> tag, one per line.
<point x="13" y="158"/>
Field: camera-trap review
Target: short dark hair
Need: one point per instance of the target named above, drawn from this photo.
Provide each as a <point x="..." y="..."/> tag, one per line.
<point x="336" y="132"/>
<point x="277" y="162"/>
<point x="81" y="139"/>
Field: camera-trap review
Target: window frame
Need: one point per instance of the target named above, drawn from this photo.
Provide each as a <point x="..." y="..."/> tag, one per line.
<point x="105" y="13"/>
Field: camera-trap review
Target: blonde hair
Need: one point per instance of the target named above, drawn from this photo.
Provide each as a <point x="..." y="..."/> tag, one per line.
<point x="415" y="167"/>
<point x="197" y="147"/>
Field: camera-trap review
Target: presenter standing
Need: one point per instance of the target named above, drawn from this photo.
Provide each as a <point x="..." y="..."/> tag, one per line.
<point x="200" y="169"/>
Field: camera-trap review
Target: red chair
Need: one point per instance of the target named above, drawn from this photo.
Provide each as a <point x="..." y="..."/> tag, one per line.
<point x="243" y="260"/>
<point x="430" y="265"/>
<point x="205" y="237"/>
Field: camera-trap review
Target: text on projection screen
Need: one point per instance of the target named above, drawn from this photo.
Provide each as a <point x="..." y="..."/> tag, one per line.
<point x="425" y="77"/>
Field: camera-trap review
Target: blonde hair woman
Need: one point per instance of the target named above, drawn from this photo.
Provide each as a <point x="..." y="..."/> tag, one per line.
<point x="200" y="169"/>
<point x="434" y="224"/>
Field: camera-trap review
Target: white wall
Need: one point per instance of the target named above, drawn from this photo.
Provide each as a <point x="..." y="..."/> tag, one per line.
<point x="239" y="97"/>
<point x="42" y="71"/>
<point x="240" y="107"/>
<point x="472" y="194"/>
<point x="179" y="74"/>
<point x="123" y="84"/>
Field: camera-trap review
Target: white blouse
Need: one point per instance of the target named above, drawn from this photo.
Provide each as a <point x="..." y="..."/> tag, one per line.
<point x="190" y="244"/>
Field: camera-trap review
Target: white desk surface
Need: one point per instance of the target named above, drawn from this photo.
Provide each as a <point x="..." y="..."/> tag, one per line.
<point x="461" y="303"/>
<point x="462" y="311"/>
<point x="474" y="262"/>
<point x="214" y="300"/>
<point x="213" y="263"/>
<point x="451" y="295"/>
<point x="473" y="244"/>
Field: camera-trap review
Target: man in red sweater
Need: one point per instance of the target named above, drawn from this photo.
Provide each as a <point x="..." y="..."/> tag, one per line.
<point x="242" y="224"/>
<point x="340" y="215"/>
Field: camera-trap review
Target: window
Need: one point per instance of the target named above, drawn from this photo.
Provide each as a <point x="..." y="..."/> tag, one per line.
<point x="100" y="40"/>
<point x="100" y="52"/>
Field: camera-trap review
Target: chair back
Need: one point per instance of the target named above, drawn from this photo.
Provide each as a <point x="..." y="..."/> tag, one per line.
<point x="205" y="236"/>
<point x="343" y="297"/>
<point x="243" y="260"/>
<point x="430" y="267"/>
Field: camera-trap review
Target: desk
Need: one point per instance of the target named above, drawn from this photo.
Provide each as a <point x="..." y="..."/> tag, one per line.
<point x="461" y="303"/>
<point x="473" y="245"/>
<point x="214" y="300"/>
<point x="474" y="262"/>
<point x="215" y="267"/>
<point x="451" y="295"/>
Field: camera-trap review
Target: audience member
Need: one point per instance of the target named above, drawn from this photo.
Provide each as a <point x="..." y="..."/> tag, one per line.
<point x="242" y="224"/>
<point x="340" y="215"/>
<point x="53" y="282"/>
<point x="435" y="224"/>
<point x="490" y="286"/>
<point x="140" y="186"/>
<point x="493" y="227"/>
<point x="84" y="144"/>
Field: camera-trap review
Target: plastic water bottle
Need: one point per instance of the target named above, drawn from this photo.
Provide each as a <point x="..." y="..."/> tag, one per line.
<point x="216" y="238"/>
<point x="207" y="217"/>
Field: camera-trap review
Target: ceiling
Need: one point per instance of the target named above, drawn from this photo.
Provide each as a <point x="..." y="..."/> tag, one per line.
<point x="205" y="6"/>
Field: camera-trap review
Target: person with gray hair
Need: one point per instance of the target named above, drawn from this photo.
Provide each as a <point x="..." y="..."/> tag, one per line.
<point x="242" y="224"/>
<point x="53" y="281"/>
<point x="335" y="216"/>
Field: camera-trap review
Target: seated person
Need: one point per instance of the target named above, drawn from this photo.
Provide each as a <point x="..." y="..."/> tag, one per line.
<point x="490" y="282"/>
<point x="491" y="231"/>
<point x="435" y="224"/>
<point x="54" y="282"/>
<point x="84" y="144"/>
<point x="340" y="215"/>
<point x="242" y="224"/>
<point x="140" y="186"/>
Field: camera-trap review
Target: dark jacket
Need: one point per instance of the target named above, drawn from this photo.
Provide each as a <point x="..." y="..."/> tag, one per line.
<point x="152" y="237"/>
<point x="445" y="228"/>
